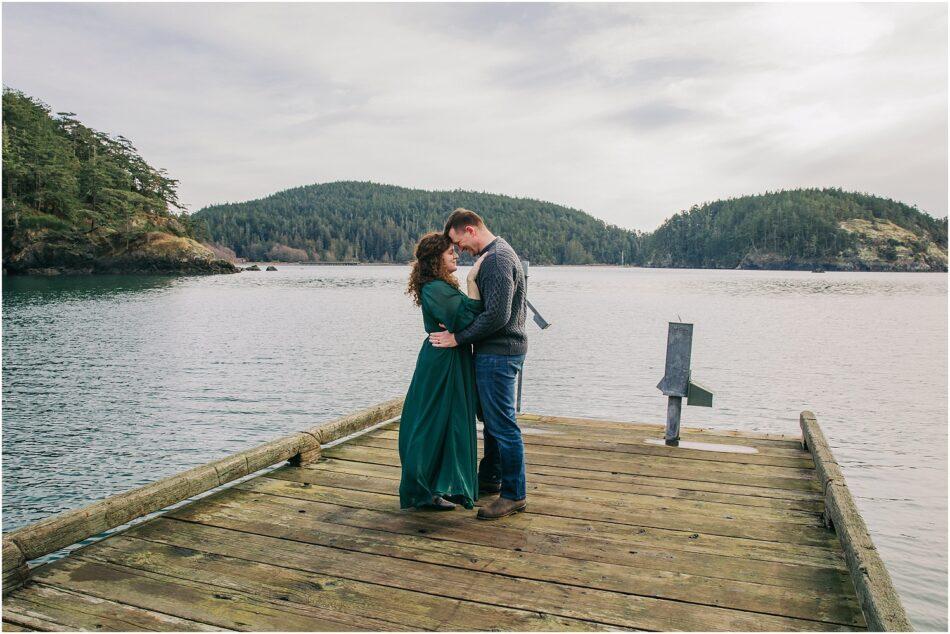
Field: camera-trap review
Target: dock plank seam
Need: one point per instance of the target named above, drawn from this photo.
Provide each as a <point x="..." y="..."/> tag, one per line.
<point x="31" y="599"/>
<point x="49" y="584"/>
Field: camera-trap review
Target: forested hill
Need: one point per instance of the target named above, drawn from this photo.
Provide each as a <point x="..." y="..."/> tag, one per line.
<point x="795" y="229"/>
<point x="381" y="223"/>
<point x="76" y="200"/>
<point x="801" y="229"/>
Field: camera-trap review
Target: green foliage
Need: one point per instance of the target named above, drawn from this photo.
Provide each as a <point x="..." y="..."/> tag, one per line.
<point x="59" y="168"/>
<point x="41" y="221"/>
<point x="381" y="223"/>
<point x="798" y="225"/>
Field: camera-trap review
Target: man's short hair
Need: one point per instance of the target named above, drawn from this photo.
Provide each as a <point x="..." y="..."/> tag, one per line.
<point x="462" y="217"/>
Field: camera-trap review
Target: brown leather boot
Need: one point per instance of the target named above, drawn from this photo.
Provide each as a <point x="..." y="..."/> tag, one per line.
<point x="501" y="507"/>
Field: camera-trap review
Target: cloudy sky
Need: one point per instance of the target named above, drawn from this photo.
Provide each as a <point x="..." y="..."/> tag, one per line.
<point x="629" y="112"/>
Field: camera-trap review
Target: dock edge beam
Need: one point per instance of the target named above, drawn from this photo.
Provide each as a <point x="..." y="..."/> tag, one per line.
<point x="70" y="527"/>
<point x="879" y="601"/>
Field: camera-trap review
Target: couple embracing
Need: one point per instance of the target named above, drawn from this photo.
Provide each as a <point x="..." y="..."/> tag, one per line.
<point x="467" y="366"/>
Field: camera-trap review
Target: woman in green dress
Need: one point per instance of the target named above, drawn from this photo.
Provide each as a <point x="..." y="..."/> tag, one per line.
<point x="437" y="442"/>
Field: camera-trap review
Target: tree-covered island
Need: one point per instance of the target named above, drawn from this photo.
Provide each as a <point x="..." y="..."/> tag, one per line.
<point x="799" y="229"/>
<point x="76" y="200"/>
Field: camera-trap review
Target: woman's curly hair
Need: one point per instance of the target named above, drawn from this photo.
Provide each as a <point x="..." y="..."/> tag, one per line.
<point x="428" y="264"/>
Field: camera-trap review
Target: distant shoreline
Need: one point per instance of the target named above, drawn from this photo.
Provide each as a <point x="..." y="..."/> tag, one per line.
<point x="597" y="265"/>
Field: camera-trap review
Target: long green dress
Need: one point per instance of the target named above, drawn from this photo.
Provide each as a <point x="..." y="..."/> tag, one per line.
<point x="437" y="442"/>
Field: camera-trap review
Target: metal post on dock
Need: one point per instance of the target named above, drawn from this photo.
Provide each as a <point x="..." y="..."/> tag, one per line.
<point x="676" y="382"/>
<point x="674" y="408"/>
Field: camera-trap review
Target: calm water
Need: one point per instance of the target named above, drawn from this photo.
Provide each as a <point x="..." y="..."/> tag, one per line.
<point x="113" y="382"/>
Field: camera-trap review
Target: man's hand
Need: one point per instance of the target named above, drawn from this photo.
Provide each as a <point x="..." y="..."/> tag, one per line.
<point x="442" y="339"/>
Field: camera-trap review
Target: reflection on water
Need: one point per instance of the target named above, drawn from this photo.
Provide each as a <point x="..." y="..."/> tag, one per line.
<point x="113" y="382"/>
<point x="34" y="289"/>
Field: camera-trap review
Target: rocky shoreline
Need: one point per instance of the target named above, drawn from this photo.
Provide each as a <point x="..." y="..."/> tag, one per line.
<point x="138" y="268"/>
<point x="856" y="265"/>
<point x="158" y="254"/>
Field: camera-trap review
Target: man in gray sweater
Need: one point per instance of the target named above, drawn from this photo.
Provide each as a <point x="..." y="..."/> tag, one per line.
<point x="500" y="346"/>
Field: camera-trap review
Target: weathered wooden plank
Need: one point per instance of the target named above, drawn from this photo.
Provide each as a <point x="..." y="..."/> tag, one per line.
<point x="82" y="612"/>
<point x="280" y="580"/>
<point x="575" y="484"/>
<point x="726" y="473"/>
<point x="778" y="440"/>
<point x="608" y="501"/>
<point x="13" y="627"/>
<point x="752" y="548"/>
<point x="677" y="484"/>
<point x="30" y="620"/>
<point x="552" y="477"/>
<point x="710" y="520"/>
<point x="878" y="598"/>
<point x="597" y="478"/>
<point x="632" y="467"/>
<point x="606" y="458"/>
<point x="637" y="446"/>
<point x="642" y="550"/>
<point x="834" y="607"/>
<point x="611" y="608"/>
<point x="813" y="507"/>
<point x="231" y="609"/>
<point x="604" y="461"/>
<point x="624" y="431"/>
<point x="549" y="433"/>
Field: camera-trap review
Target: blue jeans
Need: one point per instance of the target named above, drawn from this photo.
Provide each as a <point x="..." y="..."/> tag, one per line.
<point x="495" y="376"/>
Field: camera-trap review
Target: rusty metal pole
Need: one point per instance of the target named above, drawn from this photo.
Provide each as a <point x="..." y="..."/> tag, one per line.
<point x="674" y="408"/>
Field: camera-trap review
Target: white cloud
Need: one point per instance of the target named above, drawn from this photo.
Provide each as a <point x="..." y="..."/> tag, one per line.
<point x="629" y="112"/>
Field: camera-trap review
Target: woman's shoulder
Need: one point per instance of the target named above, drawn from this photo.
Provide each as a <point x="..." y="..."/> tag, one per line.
<point x="438" y="286"/>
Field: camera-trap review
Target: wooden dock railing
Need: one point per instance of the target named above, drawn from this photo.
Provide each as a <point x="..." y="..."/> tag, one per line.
<point x="879" y="601"/>
<point x="65" y="529"/>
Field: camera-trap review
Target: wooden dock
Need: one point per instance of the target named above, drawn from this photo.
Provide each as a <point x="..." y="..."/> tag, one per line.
<point x="729" y="531"/>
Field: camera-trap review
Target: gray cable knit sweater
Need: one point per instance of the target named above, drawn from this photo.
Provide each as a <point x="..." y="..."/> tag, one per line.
<point x="500" y="328"/>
